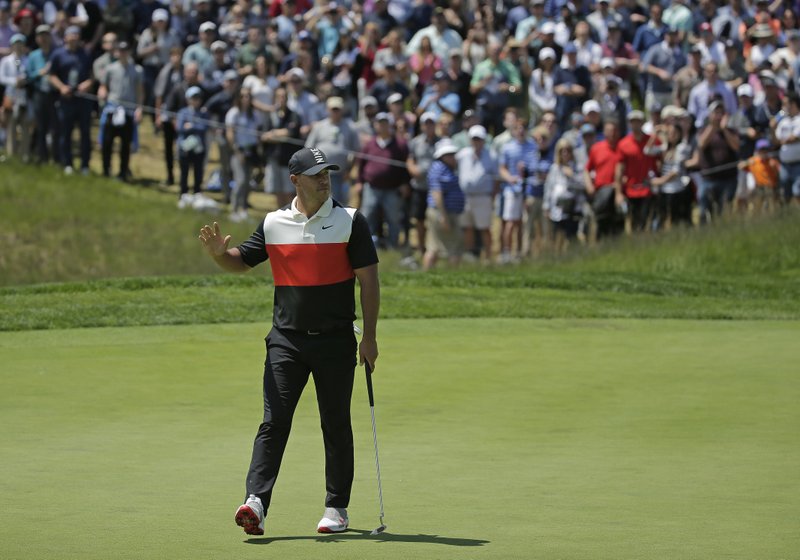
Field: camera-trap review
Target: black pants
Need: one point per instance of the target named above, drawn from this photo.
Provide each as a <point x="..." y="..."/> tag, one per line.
<point x="640" y="209"/>
<point x="169" y="149"/>
<point x="72" y="112"/>
<point x="44" y="108"/>
<point x="191" y="161"/>
<point x="291" y="357"/>
<point x="125" y="134"/>
<point x="675" y="208"/>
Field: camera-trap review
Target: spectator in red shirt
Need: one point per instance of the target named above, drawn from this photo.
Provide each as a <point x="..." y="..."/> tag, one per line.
<point x="383" y="179"/>
<point x="635" y="169"/>
<point x="602" y="184"/>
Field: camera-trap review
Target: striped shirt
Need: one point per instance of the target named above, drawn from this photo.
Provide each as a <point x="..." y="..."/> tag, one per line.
<point x="515" y="153"/>
<point x="443" y="179"/>
<point x="312" y="260"/>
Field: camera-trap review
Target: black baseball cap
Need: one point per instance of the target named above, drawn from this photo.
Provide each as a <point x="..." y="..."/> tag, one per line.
<point x="310" y="161"/>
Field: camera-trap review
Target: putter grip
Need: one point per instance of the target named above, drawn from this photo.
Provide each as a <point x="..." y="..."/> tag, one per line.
<point x="369" y="383"/>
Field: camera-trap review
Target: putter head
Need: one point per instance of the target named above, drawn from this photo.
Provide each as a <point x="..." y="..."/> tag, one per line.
<point x="379" y="530"/>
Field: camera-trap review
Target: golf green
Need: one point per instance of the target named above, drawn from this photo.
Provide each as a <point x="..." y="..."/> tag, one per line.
<point x="560" y="439"/>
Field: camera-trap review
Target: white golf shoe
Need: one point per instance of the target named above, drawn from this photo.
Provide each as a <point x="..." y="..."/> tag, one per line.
<point x="334" y="520"/>
<point x="250" y="516"/>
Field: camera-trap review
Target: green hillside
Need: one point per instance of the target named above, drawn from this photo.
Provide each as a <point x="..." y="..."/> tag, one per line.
<point x="89" y="252"/>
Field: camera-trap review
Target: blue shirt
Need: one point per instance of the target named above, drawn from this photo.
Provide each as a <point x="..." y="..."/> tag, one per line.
<point x="443" y="179"/>
<point x="70" y="67"/>
<point x="647" y="36"/>
<point x="515" y="152"/>
<point x="198" y="121"/>
<point x="35" y="63"/>
<point x="449" y="102"/>
<point x="662" y="56"/>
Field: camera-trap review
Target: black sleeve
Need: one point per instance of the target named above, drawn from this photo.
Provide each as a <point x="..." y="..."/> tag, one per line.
<point x="360" y="247"/>
<point x="254" y="250"/>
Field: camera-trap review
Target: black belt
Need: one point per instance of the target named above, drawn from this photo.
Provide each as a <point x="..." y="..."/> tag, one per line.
<point x="317" y="332"/>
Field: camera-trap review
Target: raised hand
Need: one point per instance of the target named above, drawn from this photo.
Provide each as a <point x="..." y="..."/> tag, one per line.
<point x="212" y="240"/>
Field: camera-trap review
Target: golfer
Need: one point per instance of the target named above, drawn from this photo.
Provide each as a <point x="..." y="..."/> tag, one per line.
<point x="317" y="249"/>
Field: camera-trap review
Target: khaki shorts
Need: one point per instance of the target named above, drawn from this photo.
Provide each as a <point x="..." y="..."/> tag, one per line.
<point x="446" y="243"/>
<point x="477" y="212"/>
<point x="535" y="214"/>
<point x="277" y="179"/>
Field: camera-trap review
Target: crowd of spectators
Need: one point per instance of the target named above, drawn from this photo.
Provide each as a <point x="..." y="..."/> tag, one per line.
<point x="564" y="119"/>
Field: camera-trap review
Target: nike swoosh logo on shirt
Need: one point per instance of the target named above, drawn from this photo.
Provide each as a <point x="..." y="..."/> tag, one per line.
<point x="326" y="227"/>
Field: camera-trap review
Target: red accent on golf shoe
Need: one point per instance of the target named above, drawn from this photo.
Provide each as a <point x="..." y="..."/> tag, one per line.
<point x="248" y="520"/>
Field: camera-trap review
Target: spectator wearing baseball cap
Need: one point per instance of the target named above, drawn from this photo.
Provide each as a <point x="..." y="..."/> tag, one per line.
<point x="43" y="96"/>
<point x="420" y="156"/>
<point x="200" y="52"/>
<point x="445" y="206"/>
<point x="221" y="64"/>
<point x="18" y="120"/>
<point x="191" y="126"/>
<point x="718" y="146"/>
<point x="123" y="93"/>
<point x="336" y="135"/>
<point x="155" y="42"/>
<point x="368" y="108"/>
<point x="405" y="121"/>
<point x="732" y="70"/>
<point x="638" y="166"/>
<point x="612" y="105"/>
<point x="593" y="115"/>
<point x="687" y="77"/>
<point x="281" y="137"/>
<point x="762" y="179"/>
<point x="301" y="101"/>
<point x="710" y="88"/>
<point x="478" y="178"/>
<point x="494" y="83"/>
<point x="572" y="84"/>
<point x="602" y="186"/>
<point x="541" y="90"/>
<point x="217" y="106"/>
<point x="70" y="74"/>
<point x="438" y="97"/>
<point x="615" y="46"/>
<point x="391" y="82"/>
<point x="661" y="62"/>
<point x="383" y="179"/>
<point x="744" y="122"/>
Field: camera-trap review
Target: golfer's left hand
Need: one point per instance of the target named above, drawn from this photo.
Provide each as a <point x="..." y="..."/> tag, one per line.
<point x="368" y="350"/>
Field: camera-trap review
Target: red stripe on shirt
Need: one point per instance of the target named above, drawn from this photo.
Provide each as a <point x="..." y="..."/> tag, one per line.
<point x="309" y="264"/>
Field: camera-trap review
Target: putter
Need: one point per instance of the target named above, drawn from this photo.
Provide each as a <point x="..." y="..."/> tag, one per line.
<point x="382" y="526"/>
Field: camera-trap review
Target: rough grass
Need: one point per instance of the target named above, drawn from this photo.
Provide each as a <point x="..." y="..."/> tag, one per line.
<point x="82" y="252"/>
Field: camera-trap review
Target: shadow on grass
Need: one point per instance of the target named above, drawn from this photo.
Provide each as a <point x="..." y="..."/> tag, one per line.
<point x="357" y="534"/>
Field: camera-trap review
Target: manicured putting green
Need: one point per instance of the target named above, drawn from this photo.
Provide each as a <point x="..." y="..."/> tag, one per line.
<point x="498" y="438"/>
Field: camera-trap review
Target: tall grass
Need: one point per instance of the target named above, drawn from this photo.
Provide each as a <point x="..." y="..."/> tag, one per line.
<point x="58" y="228"/>
<point x="87" y="252"/>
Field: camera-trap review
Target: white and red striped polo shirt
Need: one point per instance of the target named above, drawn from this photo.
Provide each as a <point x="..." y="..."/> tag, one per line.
<point x="312" y="264"/>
